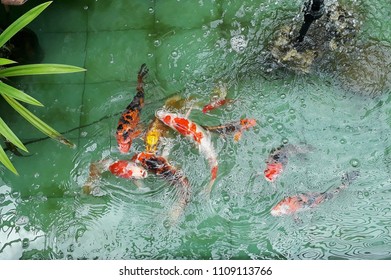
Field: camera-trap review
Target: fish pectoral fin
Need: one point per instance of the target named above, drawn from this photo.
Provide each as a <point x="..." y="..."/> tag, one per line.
<point x="139" y="183"/>
<point x="189" y="111"/>
<point x="237" y="136"/>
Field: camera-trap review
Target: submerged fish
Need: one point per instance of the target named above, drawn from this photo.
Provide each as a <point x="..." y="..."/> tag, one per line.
<point x="234" y="127"/>
<point x="220" y="100"/>
<point x="278" y="159"/>
<point x="162" y="168"/>
<point x="130" y="118"/>
<point x="305" y="201"/>
<point x="216" y="104"/>
<point x="197" y="134"/>
<point x="95" y="171"/>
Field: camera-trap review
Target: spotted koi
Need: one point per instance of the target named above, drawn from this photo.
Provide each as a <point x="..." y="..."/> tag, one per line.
<point x="235" y="127"/>
<point x="127" y="125"/>
<point x="162" y="168"/>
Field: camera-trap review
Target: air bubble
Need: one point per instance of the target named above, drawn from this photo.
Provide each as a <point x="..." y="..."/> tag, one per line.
<point x="270" y="119"/>
<point x="151" y="10"/>
<point x="343" y="141"/>
<point x="285" y="141"/>
<point x="156" y="43"/>
<point x="355" y="162"/>
<point x="174" y="54"/>
<point x="85" y="7"/>
<point x="25" y="243"/>
<point x="283" y="96"/>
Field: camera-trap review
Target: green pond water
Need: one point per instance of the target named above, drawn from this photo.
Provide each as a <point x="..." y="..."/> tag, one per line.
<point x="342" y="108"/>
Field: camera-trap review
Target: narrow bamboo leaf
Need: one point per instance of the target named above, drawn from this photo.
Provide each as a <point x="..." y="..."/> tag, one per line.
<point x="39" y="69"/>
<point x="21" y="22"/>
<point x="35" y="121"/>
<point x="18" y="94"/>
<point x="4" y="61"/>
<point x="6" y="161"/>
<point x="10" y="135"/>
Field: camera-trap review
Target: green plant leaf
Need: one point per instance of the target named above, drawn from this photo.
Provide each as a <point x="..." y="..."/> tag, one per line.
<point x="18" y="94"/>
<point x="10" y="136"/>
<point x="39" y="69"/>
<point x="6" y="161"/>
<point x="4" y="61"/>
<point x="35" y="121"/>
<point x="22" y="22"/>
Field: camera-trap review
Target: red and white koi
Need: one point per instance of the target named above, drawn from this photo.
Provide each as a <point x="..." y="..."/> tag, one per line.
<point x="278" y="159"/>
<point x="196" y="134"/>
<point x="305" y="201"/>
<point x="128" y="170"/>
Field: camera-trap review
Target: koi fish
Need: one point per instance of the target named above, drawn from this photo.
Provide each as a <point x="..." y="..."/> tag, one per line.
<point x="196" y="134"/>
<point x="160" y="166"/>
<point x="95" y="171"/>
<point x="215" y="104"/>
<point x="121" y="168"/>
<point x="128" y="170"/>
<point x="278" y="159"/>
<point x="156" y="130"/>
<point x="221" y="91"/>
<point x="235" y="127"/>
<point x="305" y="201"/>
<point x="130" y="118"/>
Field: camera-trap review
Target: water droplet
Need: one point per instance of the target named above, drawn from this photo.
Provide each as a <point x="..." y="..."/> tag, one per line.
<point x="270" y="119"/>
<point x="292" y="111"/>
<point x="335" y="138"/>
<point x="25" y="243"/>
<point x="150" y="55"/>
<point x="343" y="141"/>
<point x="355" y="162"/>
<point x="156" y="43"/>
<point x="283" y="96"/>
<point x="36" y="175"/>
<point x="71" y="248"/>
<point x="174" y="54"/>
<point x="285" y="141"/>
<point x="85" y="7"/>
<point x="280" y="126"/>
<point x="303" y="105"/>
<point x="151" y="10"/>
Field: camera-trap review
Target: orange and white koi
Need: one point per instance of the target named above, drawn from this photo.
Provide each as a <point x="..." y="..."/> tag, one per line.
<point x="127" y="125"/>
<point x="196" y="134"/>
<point x="235" y="127"/>
<point x="278" y="159"/>
<point x="128" y="170"/>
<point x="305" y="201"/>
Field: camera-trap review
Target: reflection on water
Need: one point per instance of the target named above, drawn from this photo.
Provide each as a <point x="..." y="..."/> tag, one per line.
<point x="125" y="219"/>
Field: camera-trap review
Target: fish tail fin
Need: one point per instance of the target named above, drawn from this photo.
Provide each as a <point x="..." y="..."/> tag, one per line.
<point x="349" y="177"/>
<point x="237" y="136"/>
<point x="214" y="170"/>
<point x="141" y="74"/>
<point x="184" y="194"/>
